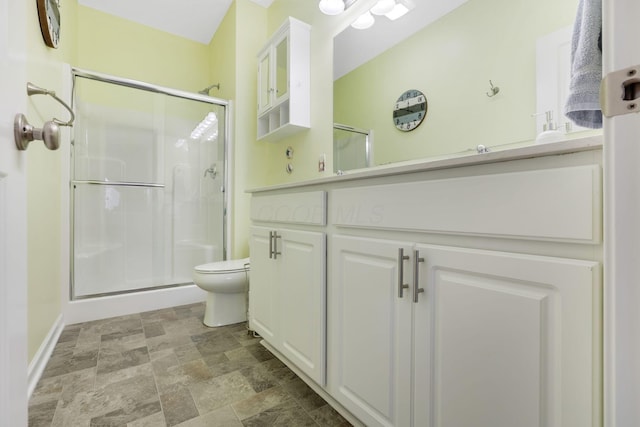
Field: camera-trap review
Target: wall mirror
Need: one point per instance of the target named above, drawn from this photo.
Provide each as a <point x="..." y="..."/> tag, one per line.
<point x="454" y="51"/>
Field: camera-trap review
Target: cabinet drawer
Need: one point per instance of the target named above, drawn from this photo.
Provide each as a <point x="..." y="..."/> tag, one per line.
<point x="552" y="204"/>
<point x="297" y="208"/>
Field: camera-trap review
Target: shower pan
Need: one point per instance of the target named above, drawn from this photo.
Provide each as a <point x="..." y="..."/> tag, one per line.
<point x="148" y="180"/>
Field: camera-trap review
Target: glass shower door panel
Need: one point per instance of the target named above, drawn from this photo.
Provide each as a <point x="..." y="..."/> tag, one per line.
<point x="118" y="239"/>
<point x="194" y="170"/>
<point x="349" y="150"/>
<point x="118" y="133"/>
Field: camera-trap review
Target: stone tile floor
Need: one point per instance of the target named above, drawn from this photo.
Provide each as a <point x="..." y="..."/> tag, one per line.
<point x="165" y="368"/>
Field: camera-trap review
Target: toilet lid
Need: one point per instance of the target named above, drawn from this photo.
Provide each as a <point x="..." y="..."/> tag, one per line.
<point x="228" y="266"/>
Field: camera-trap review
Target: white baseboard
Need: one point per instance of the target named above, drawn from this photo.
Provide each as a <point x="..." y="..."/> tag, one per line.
<point x="39" y="361"/>
<point x="86" y="310"/>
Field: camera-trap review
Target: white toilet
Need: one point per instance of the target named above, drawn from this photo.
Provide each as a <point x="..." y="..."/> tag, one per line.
<point x="227" y="284"/>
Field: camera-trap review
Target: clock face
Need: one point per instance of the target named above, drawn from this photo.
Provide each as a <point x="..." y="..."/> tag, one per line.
<point x="410" y="110"/>
<point x="49" y="17"/>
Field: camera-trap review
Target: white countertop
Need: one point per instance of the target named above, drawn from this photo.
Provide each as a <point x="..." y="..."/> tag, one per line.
<point x="469" y="158"/>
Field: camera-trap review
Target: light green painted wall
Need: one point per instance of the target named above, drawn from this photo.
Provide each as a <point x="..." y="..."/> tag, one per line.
<point x="113" y="45"/>
<point x="452" y="61"/>
<point x="249" y="158"/>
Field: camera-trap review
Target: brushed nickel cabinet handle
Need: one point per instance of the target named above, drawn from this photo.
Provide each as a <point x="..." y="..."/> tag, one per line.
<point x="275" y="245"/>
<point x="416" y="275"/>
<point x="271" y="244"/>
<point x="401" y="285"/>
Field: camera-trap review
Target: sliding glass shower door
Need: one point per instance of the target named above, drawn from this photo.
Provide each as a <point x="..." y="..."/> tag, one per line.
<point x="148" y="180"/>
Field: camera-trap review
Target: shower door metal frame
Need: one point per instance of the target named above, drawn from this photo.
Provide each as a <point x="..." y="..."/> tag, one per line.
<point x="135" y="84"/>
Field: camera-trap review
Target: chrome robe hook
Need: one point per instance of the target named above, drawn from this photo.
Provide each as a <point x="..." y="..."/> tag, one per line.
<point x="493" y="91"/>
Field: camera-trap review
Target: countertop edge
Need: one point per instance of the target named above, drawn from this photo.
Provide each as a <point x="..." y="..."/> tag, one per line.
<point x="537" y="150"/>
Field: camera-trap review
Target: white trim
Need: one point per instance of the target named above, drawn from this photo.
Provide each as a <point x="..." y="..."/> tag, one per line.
<point x="621" y="228"/>
<point x="119" y="305"/>
<point x="39" y="361"/>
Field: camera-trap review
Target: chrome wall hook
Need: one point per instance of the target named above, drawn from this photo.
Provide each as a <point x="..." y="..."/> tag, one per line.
<point x="493" y="91"/>
<point x="24" y="133"/>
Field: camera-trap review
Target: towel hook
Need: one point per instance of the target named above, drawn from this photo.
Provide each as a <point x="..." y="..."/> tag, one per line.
<point x="494" y="90"/>
<point x="24" y="133"/>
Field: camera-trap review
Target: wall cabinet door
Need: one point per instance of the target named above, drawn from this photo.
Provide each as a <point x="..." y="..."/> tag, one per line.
<point x="273" y="73"/>
<point x="370" y="333"/>
<point x="287" y="300"/>
<point x="505" y="340"/>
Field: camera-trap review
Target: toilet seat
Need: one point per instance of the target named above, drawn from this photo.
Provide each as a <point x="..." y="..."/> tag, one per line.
<point x="223" y="267"/>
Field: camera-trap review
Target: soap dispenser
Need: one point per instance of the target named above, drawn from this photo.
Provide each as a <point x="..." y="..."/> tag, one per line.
<point x="550" y="132"/>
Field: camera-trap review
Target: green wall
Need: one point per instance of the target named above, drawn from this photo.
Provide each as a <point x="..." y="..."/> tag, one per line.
<point x="451" y="61"/>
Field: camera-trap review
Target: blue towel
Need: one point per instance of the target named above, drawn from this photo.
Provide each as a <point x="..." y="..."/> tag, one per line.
<point x="583" y="103"/>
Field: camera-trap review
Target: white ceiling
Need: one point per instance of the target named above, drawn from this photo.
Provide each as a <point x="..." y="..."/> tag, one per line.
<point x="196" y="20"/>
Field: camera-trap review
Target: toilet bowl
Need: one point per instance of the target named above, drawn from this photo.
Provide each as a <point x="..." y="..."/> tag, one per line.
<point x="226" y="284"/>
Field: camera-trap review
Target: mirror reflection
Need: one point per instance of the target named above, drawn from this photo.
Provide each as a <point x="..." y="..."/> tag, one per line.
<point x="456" y="53"/>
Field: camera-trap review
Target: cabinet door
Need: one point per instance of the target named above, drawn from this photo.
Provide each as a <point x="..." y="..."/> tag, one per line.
<point x="505" y="340"/>
<point x="264" y="81"/>
<point x="281" y="69"/>
<point x="263" y="291"/>
<point x="302" y="304"/>
<point x="370" y="333"/>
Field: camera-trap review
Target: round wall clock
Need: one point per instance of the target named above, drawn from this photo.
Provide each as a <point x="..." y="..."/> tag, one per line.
<point x="410" y="110"/>
<point x="49" y="16"/>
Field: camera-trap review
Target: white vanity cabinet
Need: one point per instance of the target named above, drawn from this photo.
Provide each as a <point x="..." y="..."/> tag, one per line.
<point x="461" y="292"/>
<point x="287" y="302"/>
<point x="443" y="335"/>
<point x="284" y="82"/>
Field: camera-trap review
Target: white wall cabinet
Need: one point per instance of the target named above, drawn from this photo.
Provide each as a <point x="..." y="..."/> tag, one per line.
<point x="287" y="299"/>
<point x="284" y="82"/>
<point x="491" y="339"/>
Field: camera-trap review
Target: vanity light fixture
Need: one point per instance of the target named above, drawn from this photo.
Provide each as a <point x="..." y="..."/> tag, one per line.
<point x="401" y="8"/>
<point x="364" y="21"/>
<point x="334" y="7"/>
<point x="392" y="9"/>
<point x="331" y="7"/>
<point x="382" y="7"/>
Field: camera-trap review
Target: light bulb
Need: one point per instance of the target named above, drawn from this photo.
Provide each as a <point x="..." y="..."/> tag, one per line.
<point x="383" y="7"/>
<point x="364" y="21"/>
<point x="398" y="11"/>
<point x="331" y="7"/>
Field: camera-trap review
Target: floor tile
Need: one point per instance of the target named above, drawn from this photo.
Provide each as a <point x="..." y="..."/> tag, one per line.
<point x="178" y="406"/>
<point x="166" y="368"/>
<point x="221" y="391"/>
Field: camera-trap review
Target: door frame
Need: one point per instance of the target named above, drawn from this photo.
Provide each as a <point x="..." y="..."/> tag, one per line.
<point x="621" y="228"/>
<point x="13" y="223"/>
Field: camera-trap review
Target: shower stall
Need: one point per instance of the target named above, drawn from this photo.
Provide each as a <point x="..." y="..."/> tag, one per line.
<point x="148" y="180"/>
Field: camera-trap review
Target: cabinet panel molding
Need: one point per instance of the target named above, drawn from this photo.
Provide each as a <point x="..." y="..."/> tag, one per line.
<point x="562" y="204"/>
<point x="299" y="208"/>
